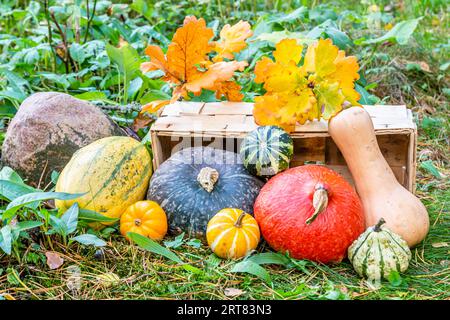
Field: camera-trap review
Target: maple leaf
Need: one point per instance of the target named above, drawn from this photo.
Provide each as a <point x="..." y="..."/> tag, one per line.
<point x="297" y="93"/>
<point x="232" y="40"/>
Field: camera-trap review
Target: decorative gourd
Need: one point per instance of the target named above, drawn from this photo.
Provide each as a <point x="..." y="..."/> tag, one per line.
<point x="114" y="172"/>
<point x="267" y="151"/>
<point x="311" y="212"/>
<point x="381" y="194"/>
<point x="146" y="218"/>
<point x="378" y="251"/>
<point x="232" y="233"/>
<point x="195" y="183"/>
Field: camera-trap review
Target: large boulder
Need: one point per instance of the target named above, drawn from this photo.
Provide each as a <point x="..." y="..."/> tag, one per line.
<point x="48" y="128"/>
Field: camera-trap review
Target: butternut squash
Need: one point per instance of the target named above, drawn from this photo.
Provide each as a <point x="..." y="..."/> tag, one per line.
<point x="381" y="195"/>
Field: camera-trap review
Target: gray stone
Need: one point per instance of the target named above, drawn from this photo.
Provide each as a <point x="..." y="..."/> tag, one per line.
<point x="47" y="129"/>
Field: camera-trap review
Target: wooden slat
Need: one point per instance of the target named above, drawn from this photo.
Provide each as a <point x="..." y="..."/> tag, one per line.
<point x="224" y="124"/>
<point x="227" y="108"/>
<point x="383" y="118"/>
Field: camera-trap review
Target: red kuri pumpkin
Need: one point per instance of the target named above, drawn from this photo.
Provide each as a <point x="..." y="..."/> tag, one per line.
<point x="311" y="212"/>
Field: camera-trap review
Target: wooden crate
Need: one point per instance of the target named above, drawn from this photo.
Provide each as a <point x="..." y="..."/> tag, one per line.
<point x="224" y="124"/>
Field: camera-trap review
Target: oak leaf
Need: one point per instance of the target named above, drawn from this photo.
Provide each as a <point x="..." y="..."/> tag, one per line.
<point x="216" y="73"/>
<point x="232" y="40"/>
<point x="230" y="90"/>
<point x="187" y="66"/>
<point x="319" y="88"/>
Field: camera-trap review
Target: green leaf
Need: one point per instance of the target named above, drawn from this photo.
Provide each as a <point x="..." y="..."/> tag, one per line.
<point x="250" y="267"/>
<point x="54" y="176"/>
<point x="153" y="247"/>
<point x="213" y="261"/>
<point x="126" y="58"/>
<point x="444" y="66"/>
<point x="135" y="86"/>
<point x="92" y="216"/>
<point x="328" y="29"/>
<point x="27" y="225"/>
<point x="153" y="95"/>
<point x="141" y="7"/>
<point x="429" y="166"/>
<point x="23" y="226"/>
<point x="91" y="95"/>
<point x="70" y="218"/>
<point x="276" y="36"/>
<point x="59" y="79"/>
<point x="58" y="226"/>
<point x="13" y="96"/>
<point x="394" y="278"/>
<point x="6" y="239"/>
<point x="269" y="258"/>
<point x="175" y="243"/>
<point x="15" y="81"/>
<point x="77" y="52"/>
<point x="89" y="240"/>
<point x="298" y="13"/>
<point x="196" y="243"/>
<point x="21" y="201"/>
<point x="366" y="97"/>
<point x="12" y="190"/>
<point x="400" y="33"/>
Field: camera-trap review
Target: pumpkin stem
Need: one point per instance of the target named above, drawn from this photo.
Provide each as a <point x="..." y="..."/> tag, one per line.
<point x="238" y="222"/>
<point x="207" y="177"/>
<point x="320" y="201"/>
<point x="377" y="227"/>
<point x="137" y="222"/>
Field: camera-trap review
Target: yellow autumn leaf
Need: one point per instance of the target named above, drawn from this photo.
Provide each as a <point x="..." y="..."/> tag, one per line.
<point x="320" y="57"/>
<point x="230" y="90"/>
<point x="319" y="88"/>
<point x="216" y="73"/>
<point x="287" y="77"/>
<point x="232" y="40"/>
<point x="329" y="98"/>
<point x="288" y="50"/>
<point x="267" y="112"/>
<point x="262" y="69"/>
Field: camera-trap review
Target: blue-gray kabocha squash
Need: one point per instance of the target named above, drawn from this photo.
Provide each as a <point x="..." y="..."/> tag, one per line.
<point x="379" y="251"/>
<point x="196" y="183"/>
<point x="267" y="151"/>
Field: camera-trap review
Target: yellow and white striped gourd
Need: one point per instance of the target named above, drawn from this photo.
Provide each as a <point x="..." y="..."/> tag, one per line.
<point x="113" y="172"/>
<point x="232" y="233"/>
<point x="377" y="252"/>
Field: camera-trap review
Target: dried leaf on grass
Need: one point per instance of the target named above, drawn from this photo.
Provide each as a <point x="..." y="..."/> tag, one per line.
<point x="54" y="260"/>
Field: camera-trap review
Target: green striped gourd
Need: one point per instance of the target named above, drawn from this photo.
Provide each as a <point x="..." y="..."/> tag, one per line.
<point x="114" y="172"/>
<point x="378" y="251"/>
<point x="267" y="151"/>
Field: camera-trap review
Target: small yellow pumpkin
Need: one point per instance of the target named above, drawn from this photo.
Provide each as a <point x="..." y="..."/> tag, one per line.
<point x="146" y="218"/>
<point x="232" y="233"/>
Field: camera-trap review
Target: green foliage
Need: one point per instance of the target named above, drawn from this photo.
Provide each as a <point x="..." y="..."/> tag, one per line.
<point x="24" y="211"/>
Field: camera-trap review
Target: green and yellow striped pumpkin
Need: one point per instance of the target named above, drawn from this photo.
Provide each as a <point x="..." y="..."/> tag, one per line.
<point x="267" y="151"/>
<point x="377" y="252"/>
<point x="114" y="172"/>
